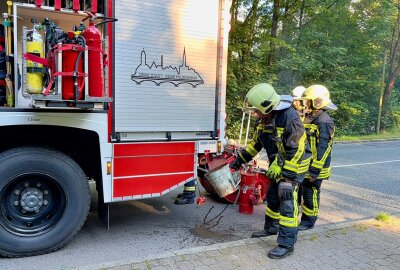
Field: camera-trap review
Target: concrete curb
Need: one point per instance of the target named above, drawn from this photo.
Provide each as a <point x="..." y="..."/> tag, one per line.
<point x="317" y="230"/>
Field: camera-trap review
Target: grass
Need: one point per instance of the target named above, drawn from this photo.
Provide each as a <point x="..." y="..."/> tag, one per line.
<point x="383" y="217"/>
<point x="314" y="237"/>
<point x="383" y="135"/>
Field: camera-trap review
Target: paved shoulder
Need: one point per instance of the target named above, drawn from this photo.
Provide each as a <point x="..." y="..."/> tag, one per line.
<point x="365" y="244"/>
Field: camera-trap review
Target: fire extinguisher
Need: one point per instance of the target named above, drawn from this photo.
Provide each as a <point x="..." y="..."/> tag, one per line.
<point x="94" y="41"/>
<point x="34" y="46"/>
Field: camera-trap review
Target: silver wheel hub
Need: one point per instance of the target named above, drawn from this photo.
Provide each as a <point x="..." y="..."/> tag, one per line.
<point x="31" y="199"/>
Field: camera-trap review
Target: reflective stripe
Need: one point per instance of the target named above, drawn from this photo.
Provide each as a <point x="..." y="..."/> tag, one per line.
<point x="291" y="166"/>
<point x="315" y="201"/>
<point x="300" y="150"/>
<point x="279" y="145"/>
<point x="243" y="159"/>
<point x="189" y="189"/>
<point x="325" y="173"/>
<point x="314" y="212"/>
<point x="291" y="222"/>
<point x="272" y="214"/>
<point x="304" y="165"/>
<point x="251" y="150"/>
<point x="320" y="163"/>
<point x="313" y="141"/>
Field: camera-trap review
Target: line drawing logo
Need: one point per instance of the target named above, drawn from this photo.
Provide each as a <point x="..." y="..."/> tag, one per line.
<point x="159" y="74"/>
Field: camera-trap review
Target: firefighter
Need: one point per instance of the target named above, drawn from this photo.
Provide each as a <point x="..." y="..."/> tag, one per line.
<point x="320" y="131"/>
<point x="188" y="195"/>
<point x="297" y="93"/>
<point x="281" y="132"/>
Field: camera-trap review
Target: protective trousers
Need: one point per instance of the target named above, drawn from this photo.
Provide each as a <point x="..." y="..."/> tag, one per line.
<point x="189" y="189"/>
<point x="310" y="207"/>
<point x="282" y="211"/>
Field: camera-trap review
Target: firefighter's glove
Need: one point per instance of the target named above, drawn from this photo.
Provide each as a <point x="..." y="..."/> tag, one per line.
<point x="313" y="173"/>
<point x="235" y="164"/>
<point x="274" y="170"/>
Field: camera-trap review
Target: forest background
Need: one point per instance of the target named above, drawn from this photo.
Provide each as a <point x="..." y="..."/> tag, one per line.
<point x="350" y="46"/>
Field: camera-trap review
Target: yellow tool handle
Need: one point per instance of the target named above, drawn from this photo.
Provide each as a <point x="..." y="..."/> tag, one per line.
<point x="9" y="4"/>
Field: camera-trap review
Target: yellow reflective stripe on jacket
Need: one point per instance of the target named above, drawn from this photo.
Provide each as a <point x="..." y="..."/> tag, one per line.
<point x="251" y="150"/>
<point x="281" y="149"/>
<point x="291" y="222"/>
<point x="272" y="214"/>
<point x="243" y="159"/>
<point x="304" y="165"/>
<point x="313" y="140"/>
<point x="189" y="189"/>
<point x="300" y="150"/>
<point x="320" y="163"/>
<point x="291" y="166"/>
<point x="324" y="174"/>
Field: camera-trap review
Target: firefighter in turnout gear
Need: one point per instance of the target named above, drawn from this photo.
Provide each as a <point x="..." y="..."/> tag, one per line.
<point x="320" y="131"/>
<point x="281" y="133"/>
<point x="297" y="93"/>
<point x="188" y="195"/>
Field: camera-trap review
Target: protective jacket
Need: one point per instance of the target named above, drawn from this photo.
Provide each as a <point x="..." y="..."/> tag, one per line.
<point x="320" y="131"/>
<point x="283" y="137"/>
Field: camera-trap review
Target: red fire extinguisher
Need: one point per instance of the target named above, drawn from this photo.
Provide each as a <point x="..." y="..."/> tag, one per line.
<point x="93" y="39"/>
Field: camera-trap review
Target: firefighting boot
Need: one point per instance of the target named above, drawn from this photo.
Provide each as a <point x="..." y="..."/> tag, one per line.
<point x="263" y="233"/>
<point x="184" y="200"/>
<point x="303" y="227"/>
<point x="280" y="252"/>
<point x="271" y="227"/>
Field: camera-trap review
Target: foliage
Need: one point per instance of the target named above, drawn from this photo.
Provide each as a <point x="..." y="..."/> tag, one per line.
<point x="383" y="217"/>
<point x="339" y="44"/>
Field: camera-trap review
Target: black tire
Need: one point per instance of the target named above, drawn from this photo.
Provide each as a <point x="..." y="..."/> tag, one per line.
<point x="44" y="201"/>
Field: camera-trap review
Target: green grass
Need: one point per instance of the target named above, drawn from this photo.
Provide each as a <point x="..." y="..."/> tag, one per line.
<point x="383" y="135"/>
<point x="383" y="217"/>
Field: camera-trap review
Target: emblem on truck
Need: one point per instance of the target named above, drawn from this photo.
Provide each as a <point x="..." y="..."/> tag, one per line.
<point x="159" y="74"/>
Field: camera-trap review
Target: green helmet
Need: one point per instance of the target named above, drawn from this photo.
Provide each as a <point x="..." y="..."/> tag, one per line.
<point x="263" y="97"/>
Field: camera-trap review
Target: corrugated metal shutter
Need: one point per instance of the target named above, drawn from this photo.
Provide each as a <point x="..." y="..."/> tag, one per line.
<point x="165" y="65"/>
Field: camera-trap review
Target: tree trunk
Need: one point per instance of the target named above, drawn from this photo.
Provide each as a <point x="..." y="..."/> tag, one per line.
<point x="394" y="65"/>
<point x="274" y="32"/>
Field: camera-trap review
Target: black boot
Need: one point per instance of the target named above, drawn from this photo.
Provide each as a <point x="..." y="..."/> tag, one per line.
<point x="184" y="200"/>
<point x="262" y="233"/>
<point x="280" y="252"/>
<point x="303" y="227"/>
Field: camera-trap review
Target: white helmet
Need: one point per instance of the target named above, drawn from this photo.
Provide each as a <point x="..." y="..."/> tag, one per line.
<point x="320" y="97"/>
<point x="298" y="92"/>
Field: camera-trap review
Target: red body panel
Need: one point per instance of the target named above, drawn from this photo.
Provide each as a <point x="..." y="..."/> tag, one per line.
<point x="147" y="185"/>
<point x="151" y="168"/>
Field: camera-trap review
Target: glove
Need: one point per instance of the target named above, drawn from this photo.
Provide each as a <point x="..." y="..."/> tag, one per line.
<point x="235" y="164"/>
<point x="313" y="174"/>
<point x="274" y="170"/>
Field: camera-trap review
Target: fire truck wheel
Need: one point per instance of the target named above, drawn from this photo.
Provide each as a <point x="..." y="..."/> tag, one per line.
<point x="44" y="201"/>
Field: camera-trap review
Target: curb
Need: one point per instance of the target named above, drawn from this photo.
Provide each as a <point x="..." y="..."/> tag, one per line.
<point x="195" y="250"/>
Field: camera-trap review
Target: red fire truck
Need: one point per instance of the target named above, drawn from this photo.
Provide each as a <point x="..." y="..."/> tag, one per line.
<point x="128" y="93"/>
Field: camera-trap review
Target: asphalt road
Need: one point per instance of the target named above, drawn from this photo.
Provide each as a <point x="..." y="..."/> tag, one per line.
<point x="365" y="181"/>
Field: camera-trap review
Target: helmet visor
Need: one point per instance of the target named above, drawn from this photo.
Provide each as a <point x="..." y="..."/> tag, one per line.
<point x="247" y="107"/>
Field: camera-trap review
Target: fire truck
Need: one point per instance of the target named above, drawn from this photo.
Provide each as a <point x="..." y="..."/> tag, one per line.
<point x="127" y="93"/>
